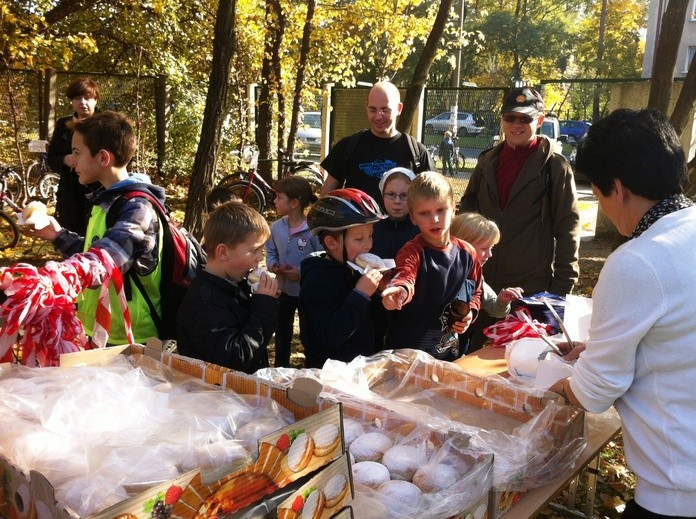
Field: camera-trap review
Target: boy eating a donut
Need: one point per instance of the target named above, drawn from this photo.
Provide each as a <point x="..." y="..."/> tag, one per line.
<point x="437" y="282"/>
<point x="335" y="298"/>
<point x="219" y="320"/>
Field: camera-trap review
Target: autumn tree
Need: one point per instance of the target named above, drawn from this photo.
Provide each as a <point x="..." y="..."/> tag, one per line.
<point x="213" y="116"/>
<point x="420" y="75"/>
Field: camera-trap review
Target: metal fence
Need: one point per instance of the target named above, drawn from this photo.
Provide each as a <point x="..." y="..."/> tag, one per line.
<point x="20" y="101"/>
<point x="472" y="115"/>
<point x="35" y="100"/>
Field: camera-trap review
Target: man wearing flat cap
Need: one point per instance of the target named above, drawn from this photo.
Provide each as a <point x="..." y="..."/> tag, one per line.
<point x="529" y="191"/>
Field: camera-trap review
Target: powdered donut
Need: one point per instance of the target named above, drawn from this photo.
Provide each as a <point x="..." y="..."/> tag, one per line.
<point x="367" y="260"/>
<point x="314" y="505"/>
<point x="370" y="473"/>
<point x="335" y="490"/>
<point x="403" y="461"/>
<point x="300" y="452"/>
<point x="434" y="477"/>
<point x="370" y="446"/>
<point x="351" y="430"/>
<point x="326" y="439"/>
<point x="403" y="491"/>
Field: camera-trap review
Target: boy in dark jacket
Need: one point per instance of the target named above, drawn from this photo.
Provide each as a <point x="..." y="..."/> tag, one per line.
<point x="220" y="321"/>
<point x="334" y="298"/>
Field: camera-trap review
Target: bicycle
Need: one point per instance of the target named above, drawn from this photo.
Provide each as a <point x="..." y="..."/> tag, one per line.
<point x="41" y="179"/>
<point x="12" y="182"/>
<point x="253" y="189"/>
<point x="9" y="230"/>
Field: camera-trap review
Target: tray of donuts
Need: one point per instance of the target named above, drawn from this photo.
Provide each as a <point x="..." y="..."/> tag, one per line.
<point x="402" y="469"/>
<point x="534" y="435"/>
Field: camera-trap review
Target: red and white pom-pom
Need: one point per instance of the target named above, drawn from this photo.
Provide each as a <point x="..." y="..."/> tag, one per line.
<point x="514" y="327"/>
<point x="41" y="303"/>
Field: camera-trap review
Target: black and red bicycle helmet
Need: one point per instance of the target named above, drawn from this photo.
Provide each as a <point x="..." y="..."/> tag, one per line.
<point x="341" y="209"/>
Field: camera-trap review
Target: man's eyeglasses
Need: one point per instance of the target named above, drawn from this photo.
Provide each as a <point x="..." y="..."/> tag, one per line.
<point x="524" y="119"/>
<point x="394" y="196"/>
<point x="383" y="111"/>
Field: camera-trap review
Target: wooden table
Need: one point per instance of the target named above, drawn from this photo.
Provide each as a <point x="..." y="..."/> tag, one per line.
<point x="600" y="430"/>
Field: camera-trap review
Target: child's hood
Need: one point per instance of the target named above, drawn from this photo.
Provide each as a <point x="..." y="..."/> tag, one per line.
<point x="135" y="182"/>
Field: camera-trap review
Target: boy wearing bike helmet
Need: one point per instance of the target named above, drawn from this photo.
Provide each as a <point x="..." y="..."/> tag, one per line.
<point x="334" y="298"/>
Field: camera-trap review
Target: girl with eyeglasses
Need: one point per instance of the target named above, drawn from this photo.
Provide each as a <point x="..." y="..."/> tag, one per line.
<point x="390" y="235"/>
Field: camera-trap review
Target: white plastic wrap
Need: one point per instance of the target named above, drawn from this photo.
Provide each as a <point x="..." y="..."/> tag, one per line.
<point x="461" y="494"/>
<point x="96" y="432"/>
<point x="527" y="453"/>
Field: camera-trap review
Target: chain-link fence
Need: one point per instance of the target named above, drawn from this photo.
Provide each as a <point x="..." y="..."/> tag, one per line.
<point x="471" y="115"/>
<point x="131" y="95"/>
<point x="25" y="97"/>
<point x="20" y="101"/>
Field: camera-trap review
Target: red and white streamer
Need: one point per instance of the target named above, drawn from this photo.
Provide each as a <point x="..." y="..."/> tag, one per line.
<point x="41" y="305"/>
<point x="514" y="327"/>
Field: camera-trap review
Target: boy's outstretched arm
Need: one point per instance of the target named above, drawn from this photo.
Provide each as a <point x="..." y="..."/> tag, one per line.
<point x="393" y="298"/>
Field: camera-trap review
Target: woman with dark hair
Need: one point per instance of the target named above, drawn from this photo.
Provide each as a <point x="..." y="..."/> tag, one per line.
<point x="640" y="354"/>
<point x="72" y="206"/>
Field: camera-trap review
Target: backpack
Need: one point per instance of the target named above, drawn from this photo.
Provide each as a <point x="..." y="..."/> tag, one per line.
<point x="354" y="140"/>
<point x="182" y="259"/>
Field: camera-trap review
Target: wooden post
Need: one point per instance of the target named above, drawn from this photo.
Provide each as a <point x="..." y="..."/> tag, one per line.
<point x="47" y="113"/>
<point x="161" y="118"/>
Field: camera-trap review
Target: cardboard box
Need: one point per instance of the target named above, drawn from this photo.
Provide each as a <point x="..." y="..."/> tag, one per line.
<point x="533" y="435"/>
<point x="468" y="494"/>
<point x="323" y="496"/>
<point x="31" y="495"/>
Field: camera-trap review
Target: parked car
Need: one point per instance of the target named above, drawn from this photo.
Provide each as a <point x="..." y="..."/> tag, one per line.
<point x="467" y="124"/>
<point x="552" y="129"/>
<point x="575" y="130"/>
<point x="309" y="133"/>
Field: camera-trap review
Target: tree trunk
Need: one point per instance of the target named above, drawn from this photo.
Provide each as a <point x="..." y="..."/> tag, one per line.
<point x="686" y="103"/>
<point x="420" y="74"/>
<point x="599" y="68"/>
<point x="224" y="47"/>
<point x="666" y="52"/>
<point x="299" y="80"/>
<point x="269" y="86"/>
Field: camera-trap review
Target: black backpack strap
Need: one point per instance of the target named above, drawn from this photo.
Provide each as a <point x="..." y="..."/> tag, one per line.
<point x="413" y="146"/>
<point x="111" y="216"/>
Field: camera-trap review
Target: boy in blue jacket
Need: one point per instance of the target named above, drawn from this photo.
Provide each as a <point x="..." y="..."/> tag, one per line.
<point x="334" y="298"/>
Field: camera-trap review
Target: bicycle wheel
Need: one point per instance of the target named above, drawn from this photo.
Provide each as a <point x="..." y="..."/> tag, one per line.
<point x="34" y="172"/>
<point x="248" y="193"/>
<point x="232" y="177"/>
<point x="9" y="232"/>
<point x="13" y="184"/>
<point x="48" y="187"/>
